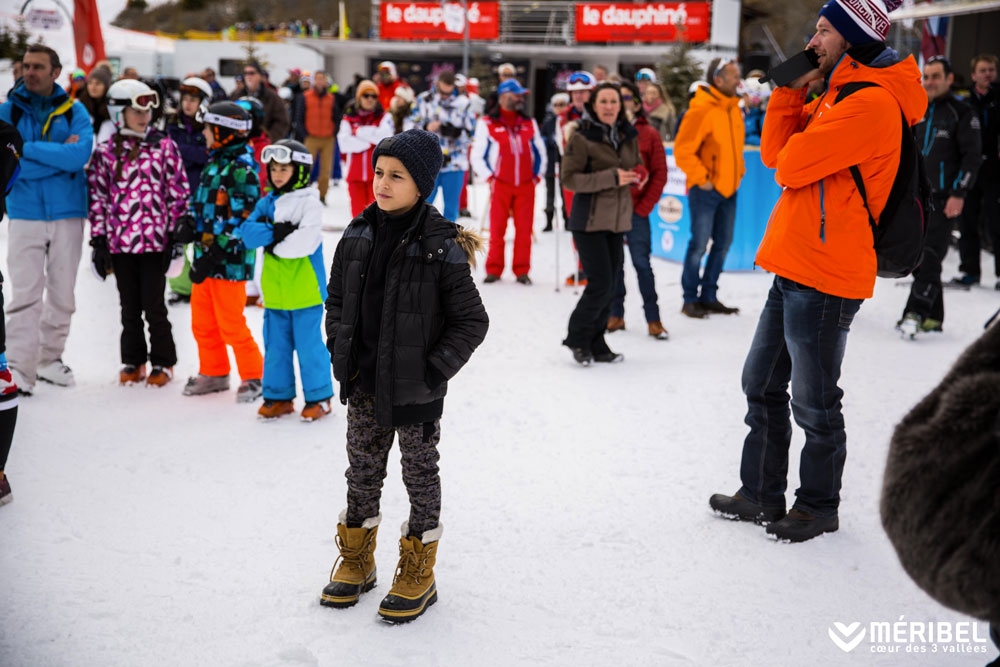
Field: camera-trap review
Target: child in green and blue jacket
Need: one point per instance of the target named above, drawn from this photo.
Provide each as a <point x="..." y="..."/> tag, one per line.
<point x="287" y="223"/>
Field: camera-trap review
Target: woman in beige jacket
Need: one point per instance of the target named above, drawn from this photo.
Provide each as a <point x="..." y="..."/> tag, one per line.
<point x="600" y="163"/>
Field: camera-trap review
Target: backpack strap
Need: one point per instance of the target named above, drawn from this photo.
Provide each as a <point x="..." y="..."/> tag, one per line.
<point x="848" y="89"/>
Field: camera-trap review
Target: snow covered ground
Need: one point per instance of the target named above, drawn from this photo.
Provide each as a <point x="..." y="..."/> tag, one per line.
<point x="149" y="528"/>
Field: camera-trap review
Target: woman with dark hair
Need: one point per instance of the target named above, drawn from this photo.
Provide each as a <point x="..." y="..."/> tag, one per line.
<point x="94" y="96"/>
<point x="599" y="166"/>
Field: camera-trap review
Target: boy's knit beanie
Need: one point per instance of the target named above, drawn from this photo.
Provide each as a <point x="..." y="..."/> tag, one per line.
<point x="420" y="153"/>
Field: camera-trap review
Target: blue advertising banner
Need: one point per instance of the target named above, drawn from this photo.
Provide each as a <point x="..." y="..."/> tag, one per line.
<point x="670" y="221"/>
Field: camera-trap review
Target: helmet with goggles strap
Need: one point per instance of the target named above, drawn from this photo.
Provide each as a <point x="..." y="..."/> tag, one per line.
<point x="130" y="93"/>
<point x="289" y="151"/>
<point x="256" y="110"/>
<point x="229" y="123"/>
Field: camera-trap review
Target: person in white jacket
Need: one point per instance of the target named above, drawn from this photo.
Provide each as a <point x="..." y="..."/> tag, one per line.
<point x="361" y="129"/>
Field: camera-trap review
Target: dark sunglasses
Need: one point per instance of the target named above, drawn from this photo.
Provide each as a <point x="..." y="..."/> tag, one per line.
<point x="627" y="98"/>
<point x="370" y="96"/>
<point x="250" y="72"/>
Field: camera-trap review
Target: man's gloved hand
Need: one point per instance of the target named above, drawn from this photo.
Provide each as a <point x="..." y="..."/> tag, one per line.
<point x="184" y="229"/>
<point x="100" y="257"/>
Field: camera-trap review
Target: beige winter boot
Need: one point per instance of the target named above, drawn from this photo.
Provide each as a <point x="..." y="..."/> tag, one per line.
<point x="354" y="571"/>
<point x="413" y="588"/>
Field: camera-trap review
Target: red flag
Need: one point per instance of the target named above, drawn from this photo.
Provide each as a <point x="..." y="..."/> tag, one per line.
<point x="87" y="32"/>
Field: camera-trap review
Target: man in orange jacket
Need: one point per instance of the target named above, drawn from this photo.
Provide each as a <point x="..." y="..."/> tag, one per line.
<point x="709" y="150"/>
<point x="819" y="245"/>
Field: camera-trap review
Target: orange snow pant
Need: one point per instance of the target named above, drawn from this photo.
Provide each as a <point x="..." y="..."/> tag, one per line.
<point x="217" y="320"/>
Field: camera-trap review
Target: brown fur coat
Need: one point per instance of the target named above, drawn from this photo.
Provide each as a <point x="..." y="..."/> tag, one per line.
<point x="941" y="493"/>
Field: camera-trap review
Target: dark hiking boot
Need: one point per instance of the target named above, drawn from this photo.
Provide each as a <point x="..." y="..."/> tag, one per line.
<point x="694" y="309"/>
<point x="524" y="279"/>
<point x="609" y="357"/>
<point x="491" y="278"/>
<point x="5" y="496"/>
<point x="582" y="356"/>
<point x="354" y="571"/>
<point x="413" y="588"/>
<point x="799" y="526"/>
<point x="738" y="508"/>
<point x="718" y="308"/>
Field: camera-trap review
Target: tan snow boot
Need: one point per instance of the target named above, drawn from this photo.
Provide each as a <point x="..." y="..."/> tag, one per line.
<point x="413" y="588"/>
<point x="354" y="571"/>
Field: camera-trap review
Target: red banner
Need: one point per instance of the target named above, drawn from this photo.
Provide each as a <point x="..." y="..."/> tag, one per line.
<point x="650" y="22"/>
<point x="431" y="20"/>
<point x="87" y="34"/>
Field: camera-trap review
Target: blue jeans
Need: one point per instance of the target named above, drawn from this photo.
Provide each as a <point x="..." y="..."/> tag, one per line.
<point x="712" y="217"/>
<point x="639" y="246"/>
<point x="450" y="183"/>
<point x="800" y="338"/>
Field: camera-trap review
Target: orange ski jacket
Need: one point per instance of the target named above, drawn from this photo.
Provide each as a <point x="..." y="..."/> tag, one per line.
<point x="818" y="233"/>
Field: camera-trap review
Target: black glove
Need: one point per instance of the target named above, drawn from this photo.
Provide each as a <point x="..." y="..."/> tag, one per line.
<point x="100" y="257"/>
<point x="281" y="232"/>
<point x="202" y="267"/>
<point x="173" y="251"/>
<point x="450" y="131"/>
<point x="184" y="229"/>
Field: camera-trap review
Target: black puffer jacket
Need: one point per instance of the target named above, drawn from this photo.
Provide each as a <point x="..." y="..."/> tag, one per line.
<point x="433" y="318"/>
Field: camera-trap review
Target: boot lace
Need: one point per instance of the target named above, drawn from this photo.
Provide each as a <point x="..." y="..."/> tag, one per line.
<point x="411" y="567"/>
<point x="353" y="558"/>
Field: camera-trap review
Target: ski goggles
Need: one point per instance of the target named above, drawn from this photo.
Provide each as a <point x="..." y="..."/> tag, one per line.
<point x="141" y="101"/>
<point x="581" y="77"/>
<point x="226" y="121"/>
<point x="284" y="155"/>
<point x="644" y="76"/>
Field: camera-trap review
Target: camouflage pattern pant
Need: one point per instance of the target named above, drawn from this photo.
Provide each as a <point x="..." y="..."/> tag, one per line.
<point x="368" y="448"/>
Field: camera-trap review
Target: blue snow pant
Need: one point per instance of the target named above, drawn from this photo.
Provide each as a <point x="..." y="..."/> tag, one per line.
<point x="289" y="332"/>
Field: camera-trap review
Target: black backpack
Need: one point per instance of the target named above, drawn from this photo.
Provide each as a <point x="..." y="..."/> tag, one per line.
<point x="901" y="229"/>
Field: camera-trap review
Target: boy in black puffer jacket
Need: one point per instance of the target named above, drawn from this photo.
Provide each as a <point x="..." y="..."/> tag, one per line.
<point x="402" y="317"/>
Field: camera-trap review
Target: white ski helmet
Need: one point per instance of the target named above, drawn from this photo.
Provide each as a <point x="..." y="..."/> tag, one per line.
<point x="197" y="86"/>
<point x="581" y="80"/>
<point x="130" y="93"/>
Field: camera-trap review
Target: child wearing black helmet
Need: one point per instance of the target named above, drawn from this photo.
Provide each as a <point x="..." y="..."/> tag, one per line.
<point x="222" y="264"/>
<point x="287" y="223"/>
<point x="403" y="316"/>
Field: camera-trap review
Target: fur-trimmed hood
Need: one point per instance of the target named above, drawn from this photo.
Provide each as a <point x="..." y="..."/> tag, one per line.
<point x="941" y="493"/>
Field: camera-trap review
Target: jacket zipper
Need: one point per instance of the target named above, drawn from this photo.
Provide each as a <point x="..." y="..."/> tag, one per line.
<point x="822" y="213"/>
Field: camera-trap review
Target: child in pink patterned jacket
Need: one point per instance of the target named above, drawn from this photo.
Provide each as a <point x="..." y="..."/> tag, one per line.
<point x="138" y="190"/>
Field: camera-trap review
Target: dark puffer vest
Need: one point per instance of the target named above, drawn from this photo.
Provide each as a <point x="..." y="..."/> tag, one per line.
<point x="433" y="318"/>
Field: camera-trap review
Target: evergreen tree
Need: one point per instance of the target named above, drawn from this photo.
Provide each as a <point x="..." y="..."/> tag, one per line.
<point x="677" y="72"/>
